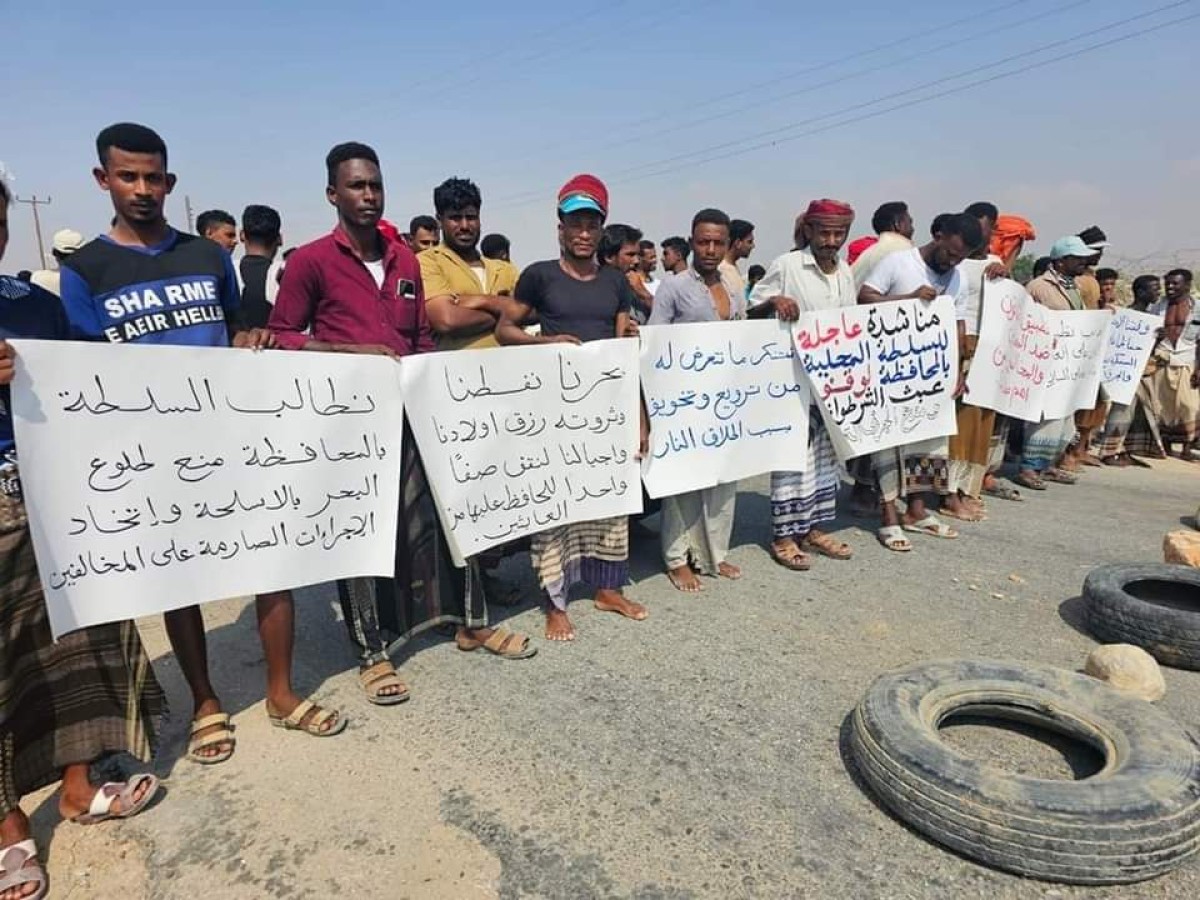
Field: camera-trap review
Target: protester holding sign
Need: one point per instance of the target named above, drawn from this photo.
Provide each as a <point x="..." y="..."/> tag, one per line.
<point x="359" y="293"/>
<point x="810" y="278"/>
<point x="144" y="282"/>
<point x="577" y="300"/>
<point x="1047" y="442"/>
<point x="911" y="471"/>
<point x="697" y="525"/>
<point x="64" y="704"/>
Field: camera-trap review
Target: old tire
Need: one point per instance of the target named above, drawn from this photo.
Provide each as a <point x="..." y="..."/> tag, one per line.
<point x="1139" y="817"/>
<point x="1119" y="609"/>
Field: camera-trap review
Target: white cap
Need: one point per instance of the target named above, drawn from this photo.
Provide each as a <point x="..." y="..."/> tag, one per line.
<point x="67" y="241"/>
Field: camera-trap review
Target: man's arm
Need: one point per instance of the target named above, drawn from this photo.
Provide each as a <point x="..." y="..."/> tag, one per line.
<point x="637" y="284"/>
<point x="510" y="333"/>
<point x="767" y="298"/>
<point x="868" y="293"/>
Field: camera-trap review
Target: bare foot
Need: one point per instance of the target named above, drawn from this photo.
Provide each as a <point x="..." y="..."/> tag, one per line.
<point x="684" y="579"/>
<point x="615" y="601"/>
<point x="729" y="570"/>
<point x="558" y="626"/>
<point x="208" y="708"/>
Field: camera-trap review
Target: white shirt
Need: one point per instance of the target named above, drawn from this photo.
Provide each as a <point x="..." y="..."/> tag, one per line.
<point x="903" y="273"/>
<point x="651" y="284"/>
<point x="889" y="242"/>
<point x="481" y="276"/>
<point x="376" y="270"/>
<point x="971" y="308"/>
<point x="732" y="276"/>
<point x="797" y="276"/>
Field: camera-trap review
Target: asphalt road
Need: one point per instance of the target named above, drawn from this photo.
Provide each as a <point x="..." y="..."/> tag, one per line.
<point x="697" y="754"/>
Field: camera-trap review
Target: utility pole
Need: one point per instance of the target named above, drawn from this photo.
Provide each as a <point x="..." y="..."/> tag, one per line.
<point x="187" y="208"/>
<point x="37" y="224"/>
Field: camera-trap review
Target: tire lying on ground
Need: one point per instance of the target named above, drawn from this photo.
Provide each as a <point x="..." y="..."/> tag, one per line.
<point x="1153" y="606"/>
<point x="1137" y="818"/>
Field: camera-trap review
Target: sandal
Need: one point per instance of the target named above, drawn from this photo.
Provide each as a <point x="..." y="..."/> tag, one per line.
<point x="294" y="721"/>
<point x="791" y="558"/>
<point x="125" y="791"/>
<point x="223" y="735"/>
<point x="502" y="642"/>
<point x="892" y="537"/>
<point x="979" y="516"/>
<point x="1004" y="492"/>
<point x="378" y="677"/>
<point x="1060" y="476"/>
<point x="1033" y="481"/>
<point x="17" y="871"/>
<point x="932" y="526"/>
<point x="827" y="545"/>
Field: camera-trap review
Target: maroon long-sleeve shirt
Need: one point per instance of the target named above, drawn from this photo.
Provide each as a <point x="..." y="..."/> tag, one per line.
<point x="327" y="289"/>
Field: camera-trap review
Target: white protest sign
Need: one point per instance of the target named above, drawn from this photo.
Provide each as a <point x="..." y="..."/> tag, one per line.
<point x="1012" y="359"/>
<point x="1131" y="339"/>
<point x="883" y="374"/>
<point x="158" y="477"/>
<point x="1073" y="376"/>
<point x="516" y="440"/>
<point x="726" y="400"/>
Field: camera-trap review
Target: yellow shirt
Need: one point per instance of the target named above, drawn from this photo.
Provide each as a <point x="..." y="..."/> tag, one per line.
<point x="444" y="272"/>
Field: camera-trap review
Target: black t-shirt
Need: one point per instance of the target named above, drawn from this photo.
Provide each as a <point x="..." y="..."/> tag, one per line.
<point x="566" y="305"/>
<point x="255" y="308"/>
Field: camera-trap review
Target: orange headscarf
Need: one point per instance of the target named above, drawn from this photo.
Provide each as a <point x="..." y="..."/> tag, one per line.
<point x="1009" y="237"/>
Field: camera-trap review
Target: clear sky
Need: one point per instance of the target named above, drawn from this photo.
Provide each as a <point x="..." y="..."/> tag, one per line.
<point x="754" y="107"/>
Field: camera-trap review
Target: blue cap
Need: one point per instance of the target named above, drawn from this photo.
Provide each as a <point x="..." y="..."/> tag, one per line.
<point x="576" y="202"/>
<point x="1072" y="245"/>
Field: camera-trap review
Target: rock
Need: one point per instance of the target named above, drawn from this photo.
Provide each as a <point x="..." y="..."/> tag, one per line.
<point x="1016" y="579"/>
<point x="1129" y="669"/>
<point x="997" y="596"/>
<point x="1182" y="547"/>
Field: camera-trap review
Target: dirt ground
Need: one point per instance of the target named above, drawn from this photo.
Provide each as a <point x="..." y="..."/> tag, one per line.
<point x="698" y="754"/>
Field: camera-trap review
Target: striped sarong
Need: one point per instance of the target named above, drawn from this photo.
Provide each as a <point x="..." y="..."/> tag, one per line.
<point x="594" y="553"/>
<point x="1178" y="404"/>
<point x="800" y="501"/>
<point x="971" y="449"/>
<point x="91" y="694"/>
<point x="428" y="589"/>
<point x="1046" y="442"/>
<point x="1110" y="440"/>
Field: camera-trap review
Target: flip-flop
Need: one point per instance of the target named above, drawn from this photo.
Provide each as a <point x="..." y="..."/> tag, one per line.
<point x="981" y="516"/>
<point x="16" y="872"/>
<point x="223" y="735"/>
<point x="502" y="642"/>
<point x="892" y="537"/>
<point x="112" y="791"/>
<point x="678" y="585"/>
<point x="1060" y="476"/>
<point x="379" y="676"/>
<point x="797" y="561"/>
<point x="294" y="721"/>
<point x="931" y="526"/>
<point x="1033" y="482"/>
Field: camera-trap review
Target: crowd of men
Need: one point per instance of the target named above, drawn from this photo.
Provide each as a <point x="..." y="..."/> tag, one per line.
<point x="367" y="288"/>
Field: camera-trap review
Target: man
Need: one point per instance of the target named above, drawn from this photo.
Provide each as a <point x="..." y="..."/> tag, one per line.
<point x="422" y="233"/>
<point x="496" y="246"/>
<point x="696" y="526"/>
<point x="648" y="265"/>
<point x="218" y="226"/>
<point x="911" y="471"/>
<point x="141" y="260"/>
<point x="754" y="275"/>
<point x="972" y="445"/>
<point x="620" y="248"/>
<point x="65" y="242"/>
<point x="675" y="252"/>
<point x="1107" y="279"/>
<point x="741" y="245"/>
<point x="1129" y="424"/>
<point x="894" y="225"/>
<point x="1087" y="421"/>
<point x="262" y="237"/>
<point x="811" y="279"/>
<point x="577" y="300"/>
<point x="1046" y="443"/>
<point x="354" y="291"/>
<point x="1174" y="385"/>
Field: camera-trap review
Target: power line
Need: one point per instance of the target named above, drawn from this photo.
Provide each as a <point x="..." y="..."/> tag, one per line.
<point x="703" y="155"/>
<point x="790" y="76"/>
<point x="948" y="92"/>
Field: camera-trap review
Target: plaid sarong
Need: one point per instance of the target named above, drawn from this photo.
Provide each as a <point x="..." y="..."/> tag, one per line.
<point x="594" y="553"/>
<point x="90" y="694"/>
